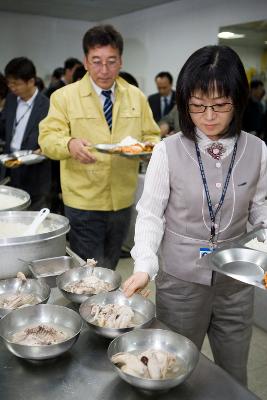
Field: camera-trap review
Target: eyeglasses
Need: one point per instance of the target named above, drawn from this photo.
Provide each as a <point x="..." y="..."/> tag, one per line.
<point x="220" y="108"/>
<point x="110" y="64"/>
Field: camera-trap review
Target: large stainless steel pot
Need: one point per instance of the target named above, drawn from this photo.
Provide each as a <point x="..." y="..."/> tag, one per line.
<point x="23" y="197"/>
<point x="28" y="248"/>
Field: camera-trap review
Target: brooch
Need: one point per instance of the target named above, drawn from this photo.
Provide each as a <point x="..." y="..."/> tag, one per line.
<point x="216" y="150"/>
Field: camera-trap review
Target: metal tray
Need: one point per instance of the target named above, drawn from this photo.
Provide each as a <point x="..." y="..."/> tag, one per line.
<point x="22" y="157"/>
<point x="109" y="149"/>
<point x="50" y="268"/>
<point x="243" y="264"/>
<point x="260" y="233"/>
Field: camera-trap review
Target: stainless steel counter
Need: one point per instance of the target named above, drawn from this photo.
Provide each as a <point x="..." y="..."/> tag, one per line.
<point x="85" y="373"/>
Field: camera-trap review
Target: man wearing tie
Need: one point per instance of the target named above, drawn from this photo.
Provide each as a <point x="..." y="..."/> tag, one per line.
<point x="98" y="189"/>
<point x="162" y="102"/>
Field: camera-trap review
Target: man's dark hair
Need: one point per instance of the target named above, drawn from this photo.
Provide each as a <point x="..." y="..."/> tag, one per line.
<point x="20" y="68"/>
<point x="165" y="74"/>
<point x="102" y="35"/>
<point x="78" y="73"/>
<point x="129" y="78"/>
<point x="256" y="83"/>
<point x="3" y="87"/>
<point x="71" y="62"/>
<point x="58" y="73"/>
<point x="210" y="69"/>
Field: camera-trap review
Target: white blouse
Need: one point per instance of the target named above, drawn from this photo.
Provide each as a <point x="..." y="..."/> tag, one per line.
<point x="150" y="223"/>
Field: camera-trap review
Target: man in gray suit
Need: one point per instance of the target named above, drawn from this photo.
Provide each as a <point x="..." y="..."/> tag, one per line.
<point x="25" y="107"/>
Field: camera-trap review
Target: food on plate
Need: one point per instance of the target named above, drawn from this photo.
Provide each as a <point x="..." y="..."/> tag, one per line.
<point x="12" y="163"/>
<point x="134" y="148"/>
<point x="257" y="245"/>
<point x="112" y="316"/>
<point x="40" y="334"/>
<point x="89" y="285"/>
<point x="265" y="279"/>
<point x="150" y="364"/>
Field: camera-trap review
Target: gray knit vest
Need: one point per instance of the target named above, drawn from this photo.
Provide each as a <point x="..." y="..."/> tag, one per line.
<point x="187" y="216"/>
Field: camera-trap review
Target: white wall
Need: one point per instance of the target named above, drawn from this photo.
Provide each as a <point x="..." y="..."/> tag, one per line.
<point x="46" y="41"/>
<point x="162" y="38"/>
<point x="159" y="38"/>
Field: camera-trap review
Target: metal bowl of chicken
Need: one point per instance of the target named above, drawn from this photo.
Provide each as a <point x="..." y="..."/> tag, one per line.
<point x="111" y="314"/>
<point x="153" y="359"/>
<point x="40" y="332"/>
<point x="78" y="284"/>
<point x="16" y="293"/>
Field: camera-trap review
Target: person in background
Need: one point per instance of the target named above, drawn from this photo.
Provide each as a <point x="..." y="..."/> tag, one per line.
<point x="79" y="73"/>
<point x="202" y="186"/>
<point x="70" y="66"/>
<point x="98" y="189"/>
<point x="169" y="124"/>
<point x="39" y="84"/>
<point x="129" y="78"/>
<point x="24" y="108"/>
<point x="254" y="112"/>
<point x="3" y="92"/>
<point x="162" y="102"/>
<point x="56" y="81"/>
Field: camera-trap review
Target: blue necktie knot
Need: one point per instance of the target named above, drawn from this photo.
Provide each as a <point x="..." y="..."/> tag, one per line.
<point x="106" y="93"/>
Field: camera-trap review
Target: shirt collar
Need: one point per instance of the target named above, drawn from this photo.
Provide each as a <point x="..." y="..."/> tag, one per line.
<point x="98" y="89"/>
<point x="30" y="101"/>
<point x="205" y="142"/>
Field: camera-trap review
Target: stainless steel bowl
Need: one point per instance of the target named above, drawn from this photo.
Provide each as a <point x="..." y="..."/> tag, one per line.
<point x="35" y="247"/>
<point x="144" y="309"/>
<point x="31" y="286"/>
<point x="50" y="268"/>
<point x="140" y="340"/>
<point x="59" y="316"/>
<point x="76" y="274"/>
<point x="22" y="196"/>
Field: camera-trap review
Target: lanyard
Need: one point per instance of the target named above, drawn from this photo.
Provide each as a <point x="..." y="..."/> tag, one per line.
<point x="204" y="180"/>
<point x="16" y="122"/>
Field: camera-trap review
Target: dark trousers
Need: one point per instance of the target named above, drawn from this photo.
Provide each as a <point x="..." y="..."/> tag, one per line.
<point x="224" y="311"/>
<point x="98" y="234"/>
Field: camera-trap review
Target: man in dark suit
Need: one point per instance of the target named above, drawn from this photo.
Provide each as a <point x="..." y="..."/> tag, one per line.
<point x="25" y="107"/>
<point x="162" y="102"/>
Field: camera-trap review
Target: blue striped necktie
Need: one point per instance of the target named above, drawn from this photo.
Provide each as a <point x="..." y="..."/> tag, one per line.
<point x="108" y="107"/>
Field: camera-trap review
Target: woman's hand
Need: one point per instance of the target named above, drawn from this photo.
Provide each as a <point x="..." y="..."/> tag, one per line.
<point x="137" y="281"/>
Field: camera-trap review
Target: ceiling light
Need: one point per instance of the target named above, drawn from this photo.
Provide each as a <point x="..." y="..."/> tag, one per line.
<point x="230" y="35"/>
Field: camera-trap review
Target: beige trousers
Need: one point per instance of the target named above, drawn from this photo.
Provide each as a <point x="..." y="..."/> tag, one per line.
<point x="224" y="311"/>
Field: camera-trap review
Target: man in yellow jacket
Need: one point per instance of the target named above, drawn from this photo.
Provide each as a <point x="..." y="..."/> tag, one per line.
<point x="98" y="189"/>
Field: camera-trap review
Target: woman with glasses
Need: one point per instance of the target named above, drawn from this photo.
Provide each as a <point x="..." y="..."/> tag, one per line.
<point x="202" y="186"/>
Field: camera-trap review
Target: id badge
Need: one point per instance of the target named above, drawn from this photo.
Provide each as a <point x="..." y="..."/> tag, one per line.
<point x="203" y="251"/>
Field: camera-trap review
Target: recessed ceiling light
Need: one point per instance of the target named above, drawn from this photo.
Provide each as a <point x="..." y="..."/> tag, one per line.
<point x="230" y="35"/>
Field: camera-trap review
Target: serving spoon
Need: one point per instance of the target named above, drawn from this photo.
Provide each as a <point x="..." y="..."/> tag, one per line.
<point x="40" y="217"/>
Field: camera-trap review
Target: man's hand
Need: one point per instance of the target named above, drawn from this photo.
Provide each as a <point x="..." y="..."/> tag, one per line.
<point x="78" y="149"/>
<point x="137" y="281"/>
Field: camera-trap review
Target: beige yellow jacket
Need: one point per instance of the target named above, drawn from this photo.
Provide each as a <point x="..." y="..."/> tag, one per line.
<point x="76" y="112"/>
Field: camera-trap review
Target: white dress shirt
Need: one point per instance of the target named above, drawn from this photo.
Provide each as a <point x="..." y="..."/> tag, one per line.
<point x="98" y="91"/>
<point x="23" y="112"/>
<point x="150" y="221"/>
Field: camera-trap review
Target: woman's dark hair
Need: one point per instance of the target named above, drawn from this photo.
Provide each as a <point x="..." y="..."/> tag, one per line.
<point x="79" y="73"/>
<point x="20" y="68"/>
<point x="102" y="35"/>
<point x="206" y="70"/>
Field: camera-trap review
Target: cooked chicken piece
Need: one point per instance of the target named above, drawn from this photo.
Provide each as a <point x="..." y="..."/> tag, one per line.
<point x="265" y="279"/>
<point x="39" y="335"/>
<point x="13" y="300"/>
<point x="157" y="363"/>
<point x="21" y="276"/>
<point x="112" y="315"/>
<point x="90" y="262"/>
<point x="130" y="363"/>
<point x="89" y="285"/>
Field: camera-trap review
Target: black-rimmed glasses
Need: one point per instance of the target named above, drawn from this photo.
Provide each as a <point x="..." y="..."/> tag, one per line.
<point x="200" y="108"/>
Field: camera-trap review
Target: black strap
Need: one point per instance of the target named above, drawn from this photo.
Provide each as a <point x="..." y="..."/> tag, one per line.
<point x="204" y="180"/>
